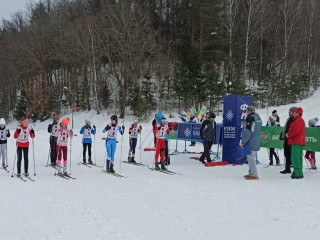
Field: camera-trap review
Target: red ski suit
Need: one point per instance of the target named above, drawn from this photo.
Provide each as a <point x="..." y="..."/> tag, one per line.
<point x="160" y="132"/>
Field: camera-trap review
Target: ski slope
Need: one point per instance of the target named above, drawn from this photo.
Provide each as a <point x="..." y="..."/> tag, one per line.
<point x="203" y="203"/>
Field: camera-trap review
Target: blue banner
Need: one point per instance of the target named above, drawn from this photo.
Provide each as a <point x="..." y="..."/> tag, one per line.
<point x="196" y="132"/>
<point x="233" y="117"/>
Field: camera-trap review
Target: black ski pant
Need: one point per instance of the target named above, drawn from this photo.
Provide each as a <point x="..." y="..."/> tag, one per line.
<point x="287" y="154"/>
<point x="53" y="150"/>
<point x="85" y="146"/>
<point x="206" y="152"/>
<point x="25" y="157"/>
<point x="166" y="153"/>
<point x="273" y="153"/>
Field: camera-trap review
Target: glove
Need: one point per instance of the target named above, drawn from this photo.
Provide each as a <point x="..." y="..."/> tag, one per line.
<point x="89" y="127"/>
<point x="94" y="127"/>
<point x="123" y="128"/>
<point x="32" y="131"/>
<point x="86" y="127"/>
<point x="140" y="128"/>
<point x="19" y="130"/>
<point x="107" y="128"/>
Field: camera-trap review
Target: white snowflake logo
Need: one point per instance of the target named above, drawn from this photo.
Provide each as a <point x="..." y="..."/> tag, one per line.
<point x="230" y="115"/>
<point x="187" y="132"/>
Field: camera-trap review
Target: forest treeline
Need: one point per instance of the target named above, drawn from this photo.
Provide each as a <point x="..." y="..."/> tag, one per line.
<point x="143" y="55"/>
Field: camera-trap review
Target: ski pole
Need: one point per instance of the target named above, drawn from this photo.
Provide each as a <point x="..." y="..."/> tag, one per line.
<point x="70" y="154"/>
<point x="34" y="161"/>
<point x="121" y="151"/>
<point x="140" y="150"/>
<point x="49" y="153"/>
<point x="80" y="152"/>
<point x="14" y="162"/>
<point x="6" y="163"/>
<point x="145" y="139"/>
<point x="94" y="148"/>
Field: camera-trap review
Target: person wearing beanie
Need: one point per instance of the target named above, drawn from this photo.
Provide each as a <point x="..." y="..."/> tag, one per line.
<point x="111" y="141"/>
<point x="161" y="131"/>
<point x="251" y="137"/>
<point x="208" y="134"/>
<point x="273" y="123"/>
<point x="134" y="130"/>
<point x="286" y="146"/>
<point x="22" y="134"/>
<point x="310" y="155"/>
<point x="63" y="135"/>
<point x="52" y="129"/>
<point x="4" y="134"/>
<point x="297" y="139"/>
<point x="87" y="131"/>
<point x="275" y="114"/>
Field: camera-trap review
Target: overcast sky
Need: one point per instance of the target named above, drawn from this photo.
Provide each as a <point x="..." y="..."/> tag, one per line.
<point x="8" y="7"/>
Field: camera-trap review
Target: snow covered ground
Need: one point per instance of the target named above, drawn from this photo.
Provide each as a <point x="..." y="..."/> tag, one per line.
<point x="203" y="203"/>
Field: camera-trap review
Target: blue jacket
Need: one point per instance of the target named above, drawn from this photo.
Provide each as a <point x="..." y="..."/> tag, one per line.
<point x="87" y="134"/>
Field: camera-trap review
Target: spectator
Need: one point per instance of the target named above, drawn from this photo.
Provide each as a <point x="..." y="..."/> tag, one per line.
<point x="310" y="155"/>
<point x="286" y="146"/>
<point x="273" y="123"/>
<point x="275" y="114"/>
<point x="297" y="139"/>
<point x="251" y="137"/>
<point x="208" y="134"/>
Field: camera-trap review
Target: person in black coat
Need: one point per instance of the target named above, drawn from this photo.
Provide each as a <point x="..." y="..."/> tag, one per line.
<point x="275" y="114"/>
<point x="286" y="146"/>
<point x="208" y="134"/>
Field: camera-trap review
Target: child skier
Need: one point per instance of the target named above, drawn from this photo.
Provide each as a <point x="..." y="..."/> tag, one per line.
<point x="161" y="132"/>
<point x="4" y="134"/>
<point x="310" y="155"/>
<point x="134" y="130"/>
<point x="63" y="135"/>
<point x="22" y="134"/>
<point x="52" y="129"/>
<point x="87" y="132"/>
<point x="111" y="141"/>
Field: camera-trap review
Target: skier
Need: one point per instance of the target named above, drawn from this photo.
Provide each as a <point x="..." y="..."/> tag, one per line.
<point x="134" y="130"/>
<point x="22" y="134"/>
<point x="87" y="131"/>
<point x="4" y="134"/>
<point x="63" y="134"/>
<point x="52" y="129"/>
<point x="273" y="123"/>
<point x="310" y="155"/>
<point x="208" y="134"/>
<point x="111" y="141"/>
<point x="161" y="132"/>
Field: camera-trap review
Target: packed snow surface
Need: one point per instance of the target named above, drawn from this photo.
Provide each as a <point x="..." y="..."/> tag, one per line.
<point x="203" y="203"/>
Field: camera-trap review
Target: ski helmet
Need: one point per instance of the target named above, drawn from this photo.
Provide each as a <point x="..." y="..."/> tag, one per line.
<point x="114" y="117"/>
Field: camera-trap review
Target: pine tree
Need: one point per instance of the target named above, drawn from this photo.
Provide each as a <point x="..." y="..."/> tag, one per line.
<point x="21" y="108"/>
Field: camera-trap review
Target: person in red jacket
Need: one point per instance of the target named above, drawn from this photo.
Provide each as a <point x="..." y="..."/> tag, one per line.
<point x="297" y="139"/>
<point x="22" y="134"/>
<point x="161" y="132"/>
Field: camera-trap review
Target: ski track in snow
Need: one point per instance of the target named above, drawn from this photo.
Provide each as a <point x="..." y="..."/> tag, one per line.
<point x="203" y="203"/>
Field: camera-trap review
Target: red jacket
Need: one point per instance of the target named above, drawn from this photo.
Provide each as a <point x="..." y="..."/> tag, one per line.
<point x="297" y="132"/>
<point x="23" y="136"/>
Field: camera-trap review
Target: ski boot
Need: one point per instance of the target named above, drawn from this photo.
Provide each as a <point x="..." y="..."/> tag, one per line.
<point x="90" y="161"/>
<point x="163" y="167"/>
<point x="18" y="174"/>
<point x="59" y="171"/>
<point x="132" y="160"/>
<point x="111" y="168"/>
<point x="108" y="166"/>
<point x="84" y="161"/>
<point x="65" y="171"/>
<point x="26" y="174"/>
<point x="271" y="162"/>
<point x="156" y="166"/>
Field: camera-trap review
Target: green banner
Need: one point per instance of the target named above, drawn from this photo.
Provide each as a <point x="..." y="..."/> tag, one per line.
<point x="270" y="138"/>
<point x="173" y="135"/>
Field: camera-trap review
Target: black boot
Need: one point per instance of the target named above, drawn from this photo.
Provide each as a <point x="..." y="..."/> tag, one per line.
<point x="111" y="168"/>
<point x="156" y="166"/>
<point x="90" y="162"/>
<point x="108" y="165"/>
<point x="285" y="171"/>
<point x="84" y="161"/>
<point x="271" y="162"/>
<point x="132" y="160"/>
<point x="163" y="167"/>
